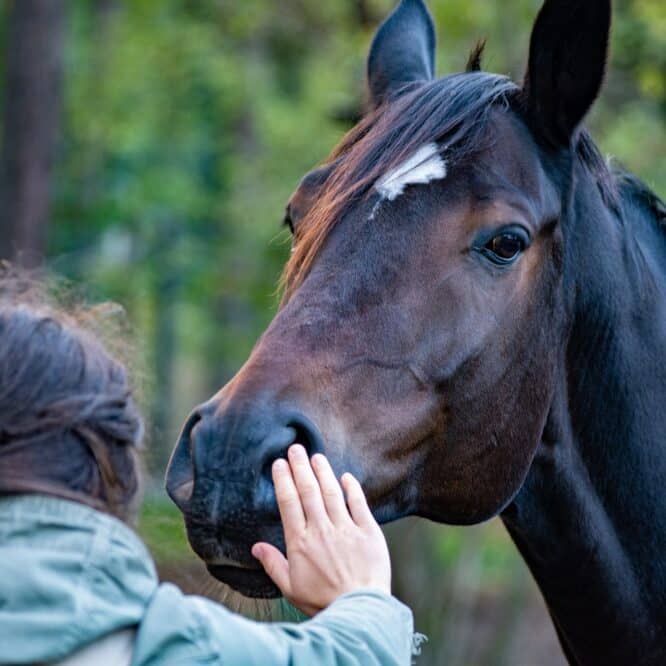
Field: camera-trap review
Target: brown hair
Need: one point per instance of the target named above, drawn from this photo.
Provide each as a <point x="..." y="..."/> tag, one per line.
<point x="69" y="425"/>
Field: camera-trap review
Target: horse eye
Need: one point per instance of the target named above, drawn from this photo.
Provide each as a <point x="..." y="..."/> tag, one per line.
<point x="505" y="247"/>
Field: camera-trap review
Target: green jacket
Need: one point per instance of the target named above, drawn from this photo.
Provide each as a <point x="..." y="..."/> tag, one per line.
<point x="70" y="575"/>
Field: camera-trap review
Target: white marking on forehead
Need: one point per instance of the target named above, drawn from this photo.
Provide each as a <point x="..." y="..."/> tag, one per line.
<point x="421" y="168"/>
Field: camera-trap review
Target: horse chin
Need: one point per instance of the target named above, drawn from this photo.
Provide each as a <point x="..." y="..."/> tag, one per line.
<point x="253" y="583"/>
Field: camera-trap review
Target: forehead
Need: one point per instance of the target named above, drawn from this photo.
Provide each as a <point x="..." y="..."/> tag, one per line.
<point x="512" y="170"/>
<point x="510" y="157"/>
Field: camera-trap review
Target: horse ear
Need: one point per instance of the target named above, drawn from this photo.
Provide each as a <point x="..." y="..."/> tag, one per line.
<point x="568" y="51"/>
<point x="402" y="51"/>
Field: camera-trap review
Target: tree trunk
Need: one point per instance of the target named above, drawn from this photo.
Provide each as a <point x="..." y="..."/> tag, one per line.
<point x="32" y="100"/>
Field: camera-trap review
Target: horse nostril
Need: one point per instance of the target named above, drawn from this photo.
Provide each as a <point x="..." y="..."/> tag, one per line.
<point x="299" y="430"/>
<point x="307" y="436"/>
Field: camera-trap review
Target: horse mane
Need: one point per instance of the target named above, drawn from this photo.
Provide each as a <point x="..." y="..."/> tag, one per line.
<point x="595" y="163"/>
<point x="635" y="190"/>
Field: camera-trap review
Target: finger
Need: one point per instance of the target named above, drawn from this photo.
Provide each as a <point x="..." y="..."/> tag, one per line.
<point x="331" y="491"/>
<point x="275" y="565"/>
<point x="307" y="485"/>
<point x="358" y="504"/>
<point x="289" y="503"/>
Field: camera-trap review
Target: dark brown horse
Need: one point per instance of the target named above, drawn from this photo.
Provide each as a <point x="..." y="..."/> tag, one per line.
<point x="474" y="323"/>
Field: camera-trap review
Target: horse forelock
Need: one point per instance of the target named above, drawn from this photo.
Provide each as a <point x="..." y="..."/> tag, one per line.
<point x="451" y="113"/>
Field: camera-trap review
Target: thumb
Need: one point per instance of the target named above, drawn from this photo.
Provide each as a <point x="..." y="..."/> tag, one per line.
<point x="275" y="565"/>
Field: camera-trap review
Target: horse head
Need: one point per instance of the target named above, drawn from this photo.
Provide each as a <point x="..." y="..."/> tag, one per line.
<point x="425" y="305"/>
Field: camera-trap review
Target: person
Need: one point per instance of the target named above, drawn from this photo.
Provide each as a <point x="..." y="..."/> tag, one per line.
<point x="77" y="584"/>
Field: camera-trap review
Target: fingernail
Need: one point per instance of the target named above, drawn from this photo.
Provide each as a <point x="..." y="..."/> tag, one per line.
<point x="280" y="465"/>
<point x="317" y="459"/>
<point x="297" y="450"/>
<point x="257" y="551"/>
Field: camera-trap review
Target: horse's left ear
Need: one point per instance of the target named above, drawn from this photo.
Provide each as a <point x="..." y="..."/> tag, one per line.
<point x="402" y="51"/>
<point x="568" y="51"/>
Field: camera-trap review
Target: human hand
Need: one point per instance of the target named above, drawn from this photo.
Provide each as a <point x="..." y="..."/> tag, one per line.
<point x="331" y="550"/>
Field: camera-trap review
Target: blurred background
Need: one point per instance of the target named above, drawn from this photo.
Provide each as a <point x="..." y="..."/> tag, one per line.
<point x="148" y="151"/>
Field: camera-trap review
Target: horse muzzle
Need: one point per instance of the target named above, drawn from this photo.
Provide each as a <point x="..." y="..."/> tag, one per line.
<point x="219" y="476"/>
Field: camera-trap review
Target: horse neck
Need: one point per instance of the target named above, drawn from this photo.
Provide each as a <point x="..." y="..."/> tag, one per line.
<point x="590" y="520"/>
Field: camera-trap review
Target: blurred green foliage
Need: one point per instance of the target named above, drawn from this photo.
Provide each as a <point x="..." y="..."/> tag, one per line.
<point x="161" y="527"/>
<point x="185" y="127"/>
